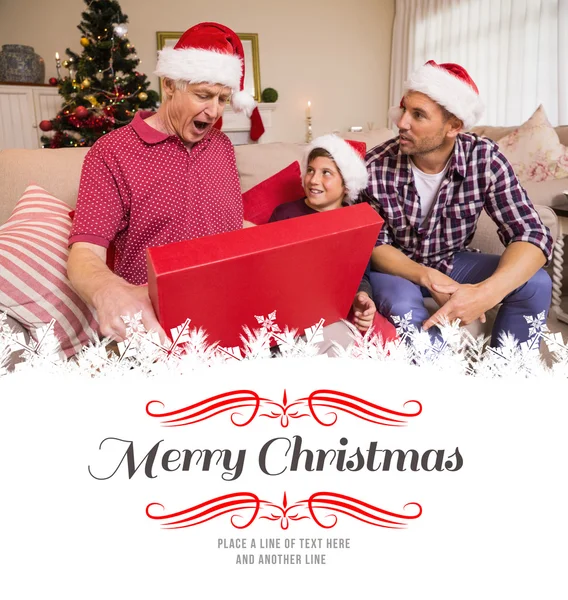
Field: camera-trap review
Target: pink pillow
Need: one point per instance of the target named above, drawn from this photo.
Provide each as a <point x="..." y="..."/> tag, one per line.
<point x="534" y="150"/>
<point x="33" y="270"/>
<point x="260" y="201"/>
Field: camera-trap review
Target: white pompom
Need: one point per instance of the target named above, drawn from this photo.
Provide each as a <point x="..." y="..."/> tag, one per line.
<point x="241" y="101"/>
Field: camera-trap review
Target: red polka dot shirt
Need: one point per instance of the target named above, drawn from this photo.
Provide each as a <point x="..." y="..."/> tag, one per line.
<point x="142" y="188"/>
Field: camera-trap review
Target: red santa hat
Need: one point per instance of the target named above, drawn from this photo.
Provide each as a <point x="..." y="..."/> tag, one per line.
<point x="212" y="53"/>
<point x="450" y="86"/>
<point x="348" y="156"/>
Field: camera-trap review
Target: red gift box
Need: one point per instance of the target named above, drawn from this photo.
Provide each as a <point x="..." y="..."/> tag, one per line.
<point x="305" y="268"/>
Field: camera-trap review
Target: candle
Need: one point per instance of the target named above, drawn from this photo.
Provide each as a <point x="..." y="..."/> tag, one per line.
<point x="309" y="110"/>
<point x="57" y="65"/>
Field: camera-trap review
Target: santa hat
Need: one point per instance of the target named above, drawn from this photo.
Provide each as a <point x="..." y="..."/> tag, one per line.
<point x="212" y="53"/>
<point x="450" y="86"/>
<point x="349" y="160"/>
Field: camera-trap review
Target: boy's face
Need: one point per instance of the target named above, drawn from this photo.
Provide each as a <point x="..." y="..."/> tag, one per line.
<point x="323" y="185"/>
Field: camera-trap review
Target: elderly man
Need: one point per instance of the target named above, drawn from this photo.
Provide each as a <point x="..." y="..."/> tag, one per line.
<point x="430" y="185"/>
<point x="166" y="177"/>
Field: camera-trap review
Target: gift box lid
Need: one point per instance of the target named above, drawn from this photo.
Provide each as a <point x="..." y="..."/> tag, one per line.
<point x="306" y="268"/>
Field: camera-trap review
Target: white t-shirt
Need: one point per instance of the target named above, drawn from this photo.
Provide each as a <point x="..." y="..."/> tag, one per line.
<point x="427" y="186"/>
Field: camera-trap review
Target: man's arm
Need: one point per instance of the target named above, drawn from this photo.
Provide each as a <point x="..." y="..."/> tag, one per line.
<point x="528" y="246"/>
<point x="110" y="295"/>
<point x="390" y="260"/>
<point x="519" y="262"/>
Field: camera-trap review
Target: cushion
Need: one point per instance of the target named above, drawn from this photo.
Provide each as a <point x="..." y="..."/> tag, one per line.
<point x="257" y="162"/>
<point x="261" y="200"/>
<point x="58" y="171"/>
<point x="33" y="270"/>
<point x="534" y="150"/>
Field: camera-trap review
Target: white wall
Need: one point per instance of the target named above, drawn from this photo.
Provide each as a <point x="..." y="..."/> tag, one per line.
<point x="335" y="53"/>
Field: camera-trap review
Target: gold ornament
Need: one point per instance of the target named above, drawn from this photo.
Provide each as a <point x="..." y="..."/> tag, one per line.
<point x="86" y="83"/>
<point x="94" y="102"/>
<point x="143" y="96"/>
<point x="85" y="42"/>
<point x="65" y="63"/>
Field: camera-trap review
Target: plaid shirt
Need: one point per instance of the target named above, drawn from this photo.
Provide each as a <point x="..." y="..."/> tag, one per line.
<point x="479" y="177"/>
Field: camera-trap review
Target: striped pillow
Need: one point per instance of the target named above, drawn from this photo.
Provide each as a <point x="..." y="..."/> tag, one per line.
<point x="33" y="270"/>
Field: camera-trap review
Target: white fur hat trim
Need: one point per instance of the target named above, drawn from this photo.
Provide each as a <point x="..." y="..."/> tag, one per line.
<point x="350" y="164"/>
<point x="200" y="66"/>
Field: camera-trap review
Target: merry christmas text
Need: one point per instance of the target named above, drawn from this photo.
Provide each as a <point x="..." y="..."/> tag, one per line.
<point x="277" y="456"/>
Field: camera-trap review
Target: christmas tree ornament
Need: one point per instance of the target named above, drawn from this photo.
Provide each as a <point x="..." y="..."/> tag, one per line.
<point x="143" y="96"/>
<point x="84" y="42"/>
<point x="81" y="112"/>
<point x="120" y="30"/>
<point x="92" y="99"/>
<point x="86" y="83"/>
<point x="65" y="63"/>
<point x="45" y="125"/>
<point x="52" y="81"/>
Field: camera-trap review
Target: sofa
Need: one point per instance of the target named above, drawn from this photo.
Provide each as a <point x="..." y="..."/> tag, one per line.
<point x="58" y="172"/>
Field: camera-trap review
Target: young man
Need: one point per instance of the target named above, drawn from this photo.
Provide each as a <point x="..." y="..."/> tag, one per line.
<point x="430" y="185"/>
<point x="166" y="177"/>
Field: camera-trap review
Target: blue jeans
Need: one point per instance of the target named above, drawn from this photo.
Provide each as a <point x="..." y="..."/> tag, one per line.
<point x="397" y="296"/>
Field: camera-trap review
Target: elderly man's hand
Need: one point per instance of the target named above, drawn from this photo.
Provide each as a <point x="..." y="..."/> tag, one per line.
<point x="364" y="310"/>
<point x="117" y="299"/>
<point x="467" y="303"/>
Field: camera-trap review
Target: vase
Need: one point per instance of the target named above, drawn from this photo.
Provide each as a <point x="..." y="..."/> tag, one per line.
<point x="20" y="64"/>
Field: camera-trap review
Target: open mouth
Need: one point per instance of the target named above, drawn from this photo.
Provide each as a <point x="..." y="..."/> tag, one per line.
<point x="201" y="125"/>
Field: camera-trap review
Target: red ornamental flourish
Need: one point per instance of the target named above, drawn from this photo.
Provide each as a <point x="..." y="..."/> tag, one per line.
<point x="321" y="405"/>
<point x="320" y="507"/>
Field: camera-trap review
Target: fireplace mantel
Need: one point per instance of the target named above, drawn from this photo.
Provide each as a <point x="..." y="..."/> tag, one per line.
<point x="237" y="125"/>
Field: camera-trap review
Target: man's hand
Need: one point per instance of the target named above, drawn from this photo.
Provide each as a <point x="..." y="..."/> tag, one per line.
<point x="467" y="303"/>
<point x="434" y="281"/>
<point x="110" y="295"/>
<point x="118" y="299"/>
<point x="364" y="310"/>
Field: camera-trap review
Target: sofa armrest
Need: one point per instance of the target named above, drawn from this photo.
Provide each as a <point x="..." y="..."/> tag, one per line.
<point x="487" y="240"/>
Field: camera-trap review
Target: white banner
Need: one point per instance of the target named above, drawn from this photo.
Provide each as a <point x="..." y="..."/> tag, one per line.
<point x="283" y="478"/>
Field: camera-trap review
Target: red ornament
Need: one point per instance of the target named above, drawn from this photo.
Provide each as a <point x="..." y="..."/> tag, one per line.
<point x="45" y="125"/>
<point x="53" y="81"/>
<point x="81" y="112"/>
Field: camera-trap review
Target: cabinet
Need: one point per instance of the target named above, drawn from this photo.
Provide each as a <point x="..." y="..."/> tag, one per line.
<point x="22" y="108"/>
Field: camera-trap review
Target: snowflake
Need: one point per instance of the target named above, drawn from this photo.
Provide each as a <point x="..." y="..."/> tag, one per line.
<point x="134" y="324"/>
<point x="404" y="327"/>
<point x="268" y="324"/>
<point x="537" y="324"/>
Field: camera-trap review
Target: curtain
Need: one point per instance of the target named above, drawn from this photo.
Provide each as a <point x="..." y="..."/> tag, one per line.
<point x="516" y="51"/>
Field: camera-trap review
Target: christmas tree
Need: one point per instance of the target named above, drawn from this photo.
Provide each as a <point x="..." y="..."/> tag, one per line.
<point x="103" y="90"/>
